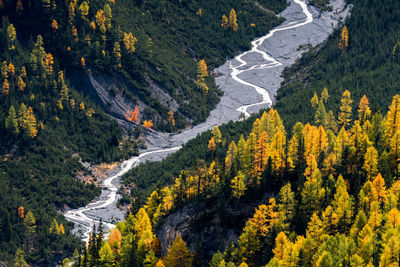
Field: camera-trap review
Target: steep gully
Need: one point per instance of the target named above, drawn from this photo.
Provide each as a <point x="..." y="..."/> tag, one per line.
<point x="255" y="69"/>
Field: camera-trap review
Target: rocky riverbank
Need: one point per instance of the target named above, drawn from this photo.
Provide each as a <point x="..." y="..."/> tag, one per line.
<point x="242" y="79"/>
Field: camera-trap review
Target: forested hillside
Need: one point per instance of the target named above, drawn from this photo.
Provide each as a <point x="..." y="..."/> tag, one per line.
<point x="332" y="196"/>
<point x="361" y="57"/>
<point x="46" y="127"/>
<point x="369" y="64"/>
<point x="151" y="48"/>
<point x="159" y="52"/>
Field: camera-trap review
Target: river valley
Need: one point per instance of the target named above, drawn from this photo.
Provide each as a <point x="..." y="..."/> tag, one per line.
<point x="249" y="82"/>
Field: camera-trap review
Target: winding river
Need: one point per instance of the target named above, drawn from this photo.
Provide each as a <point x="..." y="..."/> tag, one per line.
<point x="304" y="25"/>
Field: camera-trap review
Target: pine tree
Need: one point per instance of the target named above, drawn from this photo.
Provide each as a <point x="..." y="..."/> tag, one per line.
<point x="54" y="25"/>
<point x="342" y="211"/>
<point x="31" y="127"/>
<point x="395" y="151"/>
<point x="54" y="228"/>
<point x="392" y="121"/>
<point x="314" y="100"/>
<point x="344" y="38"/>
<point x="11" y="69"/>
<point x="249" y="243"/>
<point x="64" y="91"/>
<point x="160" y="263"/>
<point x="286" y="207"/>
<point x="224" y="21"/>
<point x="390" y="254"/>
<point x="19" y="260"/>
<point x="345" y="109"/>
<point x="364" y="111"/>
<point x="312" y="194"/>
<point x="325" y="95"/>
<point x="379" y="189"/>
<point x="265" y="217"/>
<point x="4" y="70"/>
<point x="11" y="34"/>
<point x="22" y="115"/>
<point x="11" y="121"/>
<point x="30" y="227"/>
<point x="84" y="10"/>
<point x="48" y="63"/>
<point x="71" y="12"/>
<point x="130" y="42"/>
<point x="6" y="87"/>
<point x="233" y="20"/>
<point x="202" y="68"/>
<point x="281" y="242"/>
<point x="21" y="212"/>
<point x="108" y="15"/>
<point x="371" y="162"/>
<point x="314" y="238"/>
<point x="61" y="230"/>
<point x="171" y="118"/>
<point x="117" y="54"/>
<point x="178" y="254"/>
<point x="23" y="72"/>
<point x="211" y="144"/>
<point x="21" y="84"/>
<point x="320" y="114"/>
<point x="148" y="124"/>
<point x="106" y="255"/>
<point x="115" y="240"/>
<point x="238" y="185"/>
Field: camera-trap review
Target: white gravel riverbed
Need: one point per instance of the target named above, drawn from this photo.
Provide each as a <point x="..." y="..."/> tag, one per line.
<point x="249" y="82"/>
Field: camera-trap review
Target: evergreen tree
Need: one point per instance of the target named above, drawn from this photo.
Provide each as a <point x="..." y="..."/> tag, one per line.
<point x="345" y="109"/>
<point x="178" y="254"/>
<point x="11" y="121"/>
<point x="19" y="260"/>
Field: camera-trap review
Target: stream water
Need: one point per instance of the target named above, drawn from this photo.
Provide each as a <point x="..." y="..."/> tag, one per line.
<point x="249" y="82"/>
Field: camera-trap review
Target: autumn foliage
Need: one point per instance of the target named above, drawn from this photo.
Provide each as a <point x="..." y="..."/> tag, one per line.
<point x="344" y="38"/>
<point x="148" y="124"/>
<point x="132" y="116"/>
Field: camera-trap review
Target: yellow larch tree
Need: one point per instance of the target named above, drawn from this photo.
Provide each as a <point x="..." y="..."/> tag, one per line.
<point x="171" y="118"/>
<point x="364" y="112"/>
<point x="224" y="21"/>
<point x="371" y="162"/>
<point x="345" y="109"/>
<point x="12" y="35"/>
<point x="21" y="84"/>
<point x="202" y="68"/>
<point x="6" y="87"/>
<point x="130" y="42"/>
<point x="233" y="20"/>
<point x="115" y="240"/>
<point x="54" y="25"/>
<point x="344" y="38"/>
<point x="392" y="120"/>
<point x="148" y="124"/>
<point x="178" y="254"/>
<point x="379" y="189"/>
<point x="238" y="185"/>
<point x="211" y="144"/>
<point x="11" y="69"/>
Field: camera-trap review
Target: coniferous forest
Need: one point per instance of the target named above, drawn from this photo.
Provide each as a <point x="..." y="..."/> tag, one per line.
<point x="313" y="180"/>
<point x="50" y="126"/>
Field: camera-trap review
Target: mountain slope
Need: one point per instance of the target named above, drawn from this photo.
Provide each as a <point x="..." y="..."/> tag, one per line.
<point x="366" y="66"/>
<point x="52" y="52"/>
